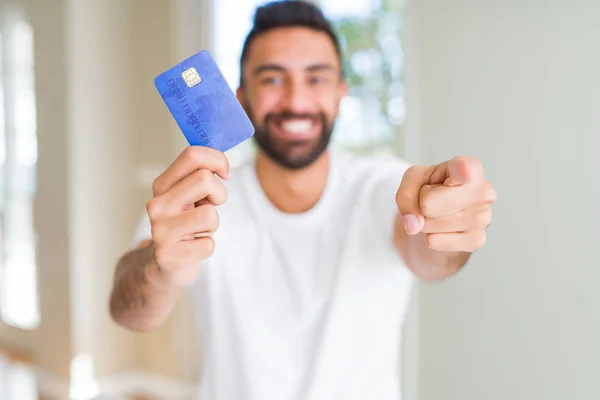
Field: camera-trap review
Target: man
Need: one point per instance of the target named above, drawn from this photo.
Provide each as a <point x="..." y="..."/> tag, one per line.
<point x="299" y="263"/>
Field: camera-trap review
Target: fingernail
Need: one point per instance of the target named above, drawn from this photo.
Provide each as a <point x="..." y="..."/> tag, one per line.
<point x="411" y="224"/>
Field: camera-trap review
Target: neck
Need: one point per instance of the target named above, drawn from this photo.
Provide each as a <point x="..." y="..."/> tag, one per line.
<point x="292" y="191"/>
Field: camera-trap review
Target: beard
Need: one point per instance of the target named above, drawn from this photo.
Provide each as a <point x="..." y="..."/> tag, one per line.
<point x="288" y="153"/>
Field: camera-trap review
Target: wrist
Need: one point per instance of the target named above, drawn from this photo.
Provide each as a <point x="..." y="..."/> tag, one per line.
<point x="154" y="275"/>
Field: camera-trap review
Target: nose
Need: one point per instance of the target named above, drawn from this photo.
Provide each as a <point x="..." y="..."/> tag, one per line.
<point x="296" y="97"/>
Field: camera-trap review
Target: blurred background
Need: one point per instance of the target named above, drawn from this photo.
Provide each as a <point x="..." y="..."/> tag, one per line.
<point x="83" y="133"/>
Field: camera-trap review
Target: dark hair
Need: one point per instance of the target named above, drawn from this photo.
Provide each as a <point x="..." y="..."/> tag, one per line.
<point x="286" y="14"/>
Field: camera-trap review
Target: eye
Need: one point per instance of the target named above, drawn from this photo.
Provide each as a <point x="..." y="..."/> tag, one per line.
<point x="272" y="80"/>
<point x="317" y="80"/>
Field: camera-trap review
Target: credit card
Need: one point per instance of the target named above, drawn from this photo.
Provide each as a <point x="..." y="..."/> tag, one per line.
<point x="202" y="103"/>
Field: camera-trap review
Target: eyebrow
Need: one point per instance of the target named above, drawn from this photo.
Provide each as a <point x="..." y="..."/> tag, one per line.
<point x="278" y="68"/>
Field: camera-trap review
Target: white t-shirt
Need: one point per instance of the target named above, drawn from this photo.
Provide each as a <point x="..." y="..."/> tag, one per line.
<point x="304" y="306"/>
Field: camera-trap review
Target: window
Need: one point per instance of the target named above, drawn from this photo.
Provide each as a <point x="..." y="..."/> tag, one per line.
<point x="230" y="30"/>
<point x="18" y="162"/>
<point x="372" y="114"/>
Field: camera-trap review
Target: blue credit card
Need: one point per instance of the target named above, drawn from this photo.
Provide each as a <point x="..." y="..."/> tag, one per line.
<point x="203" y="104"/>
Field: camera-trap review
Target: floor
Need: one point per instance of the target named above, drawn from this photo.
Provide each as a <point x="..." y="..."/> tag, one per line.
<point x="18" y="381"/>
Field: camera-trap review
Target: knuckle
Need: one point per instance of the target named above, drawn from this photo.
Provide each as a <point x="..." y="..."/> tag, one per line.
<point x="203" y="177"/>
<point x="474" y="162"/>
<point x="489" y="193"/>
<point x="195" y="155"/>
<point x="479" y="240"/>
<point x="153" y="208"/>
<point x="413" y="169"/>
<point x="427" y="205"/>
<point x="403" y="199"/>
<point x="211" y="217"/>
<point x="485" y="217"/>
<point x="224" y="193"/>
<point x="207" y="217"/>
<point x="401" y="195"/>
<point x="191" y="153"/>
<point x="471" y="161"/>
<point x="430" y="241"/>
<point x="224" y="161"/>
<point x="214" y="219"/>
<point x="207" y="176"/>
<point x="413" y="172"/>
<point x="198" y="218"/>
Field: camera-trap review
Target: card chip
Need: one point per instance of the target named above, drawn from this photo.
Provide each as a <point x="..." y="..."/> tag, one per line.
<point x="191" y="77"/>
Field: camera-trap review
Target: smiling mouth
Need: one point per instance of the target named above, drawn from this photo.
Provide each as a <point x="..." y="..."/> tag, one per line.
<point x="297" y="128"/>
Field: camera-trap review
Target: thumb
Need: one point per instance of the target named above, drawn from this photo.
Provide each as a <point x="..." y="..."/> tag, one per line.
<point x="407" y="198"/>
<point x="459" y="172"/>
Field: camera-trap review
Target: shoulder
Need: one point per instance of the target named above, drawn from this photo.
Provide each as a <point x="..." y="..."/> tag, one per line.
<point x="368" y="162"/>
<point x="371" y="182"/>
<point x="370" y="170"/>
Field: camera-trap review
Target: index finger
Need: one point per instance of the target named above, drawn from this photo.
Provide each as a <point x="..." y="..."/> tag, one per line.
<point x="190" y="160"/>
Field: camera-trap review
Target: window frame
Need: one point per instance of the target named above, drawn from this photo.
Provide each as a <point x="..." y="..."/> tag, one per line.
<point x="13" y="188"/>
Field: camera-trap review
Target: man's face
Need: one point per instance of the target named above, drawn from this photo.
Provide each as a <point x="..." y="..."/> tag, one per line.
<point x="292" y="91"/>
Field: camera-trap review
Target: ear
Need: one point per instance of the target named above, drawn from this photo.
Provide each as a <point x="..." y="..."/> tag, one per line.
<point x="343" y="89"/>
<point x="239" y="93"/>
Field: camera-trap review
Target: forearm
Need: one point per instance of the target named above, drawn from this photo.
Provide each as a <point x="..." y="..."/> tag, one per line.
<point x="141" y="298"/>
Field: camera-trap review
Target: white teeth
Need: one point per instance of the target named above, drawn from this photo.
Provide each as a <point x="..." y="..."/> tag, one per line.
<point x="297" y="126"/>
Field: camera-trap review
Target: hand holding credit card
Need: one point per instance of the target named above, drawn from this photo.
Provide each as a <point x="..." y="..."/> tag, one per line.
<point x="183" y="210"/>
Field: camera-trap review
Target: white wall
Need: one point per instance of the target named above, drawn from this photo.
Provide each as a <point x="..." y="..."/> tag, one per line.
<point x="517" y="84"/>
